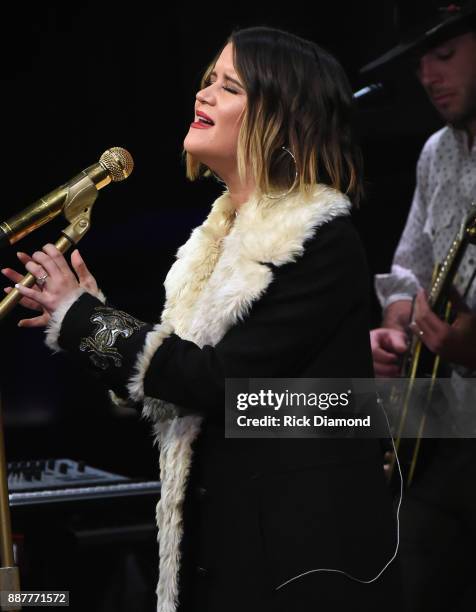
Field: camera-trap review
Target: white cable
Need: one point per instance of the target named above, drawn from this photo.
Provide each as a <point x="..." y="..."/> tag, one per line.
<point x="338" y="571"/>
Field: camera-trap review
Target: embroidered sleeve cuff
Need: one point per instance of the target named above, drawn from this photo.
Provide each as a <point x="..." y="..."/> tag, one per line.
<point x="105" y="340"/>
<point x="53" y="329"/>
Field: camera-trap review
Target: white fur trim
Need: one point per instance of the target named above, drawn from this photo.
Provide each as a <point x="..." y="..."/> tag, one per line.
<point x="120" y="402"/>
<point x="100" y="296"/>
<point x="196" y="260"/>
<point x="122" y="406"/>
<point x="152" y="342"/>
<point x="276" y="231"/>
<point x="157" y="410"/>
<point x="176" y="437"/>
<point x="53" y="327"/>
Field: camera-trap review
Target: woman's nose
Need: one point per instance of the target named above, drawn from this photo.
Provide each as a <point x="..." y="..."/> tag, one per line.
<point x="205" y="95"/>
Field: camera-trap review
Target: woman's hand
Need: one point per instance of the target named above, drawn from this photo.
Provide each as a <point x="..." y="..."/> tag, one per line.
<point x="59" y="284"/>
<point x="16" y="277"/>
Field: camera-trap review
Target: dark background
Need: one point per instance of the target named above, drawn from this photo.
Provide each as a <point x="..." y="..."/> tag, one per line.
<point x="77" y="78"/>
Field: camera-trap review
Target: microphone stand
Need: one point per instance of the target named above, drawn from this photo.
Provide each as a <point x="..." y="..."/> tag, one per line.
<point x="78" y="212"/>
<point x="9" y="574"/>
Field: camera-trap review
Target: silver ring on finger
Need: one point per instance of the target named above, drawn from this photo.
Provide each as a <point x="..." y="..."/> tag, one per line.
<point x="416" y="328"/>
<point x="41" y="280"/>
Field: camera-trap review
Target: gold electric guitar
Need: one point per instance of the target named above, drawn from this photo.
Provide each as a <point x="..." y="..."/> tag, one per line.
<point x="419" y="362"/>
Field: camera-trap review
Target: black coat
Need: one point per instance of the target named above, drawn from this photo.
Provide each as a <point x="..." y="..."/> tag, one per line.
<point x="255" y="513"/>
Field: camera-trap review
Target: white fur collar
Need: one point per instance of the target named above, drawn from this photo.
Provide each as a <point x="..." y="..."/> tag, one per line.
<point x="219" y="272"/>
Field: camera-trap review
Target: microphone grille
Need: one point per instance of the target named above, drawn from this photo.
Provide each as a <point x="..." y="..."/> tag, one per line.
<point x="118" y="162"/>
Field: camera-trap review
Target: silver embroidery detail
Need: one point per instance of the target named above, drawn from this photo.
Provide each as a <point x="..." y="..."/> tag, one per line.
<point x="111" y="324"/>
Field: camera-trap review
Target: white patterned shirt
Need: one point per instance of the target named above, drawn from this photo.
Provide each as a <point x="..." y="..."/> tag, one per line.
<point x="445" y="191"/>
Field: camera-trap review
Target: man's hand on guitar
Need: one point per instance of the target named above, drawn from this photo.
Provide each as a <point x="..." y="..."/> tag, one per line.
<point x="455" y="343"/>
<point x="388" y="346"/>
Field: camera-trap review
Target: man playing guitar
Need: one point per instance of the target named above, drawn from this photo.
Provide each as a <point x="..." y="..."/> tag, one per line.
<point x="438" y="524"/>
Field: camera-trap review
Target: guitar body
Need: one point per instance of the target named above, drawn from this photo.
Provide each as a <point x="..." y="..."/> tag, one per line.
<point x="415" y="452"/>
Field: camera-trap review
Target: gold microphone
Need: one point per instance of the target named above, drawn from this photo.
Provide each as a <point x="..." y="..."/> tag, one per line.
<point x="115" y="165"/>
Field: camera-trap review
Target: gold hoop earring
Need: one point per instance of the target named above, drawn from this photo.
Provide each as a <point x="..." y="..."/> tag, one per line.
<point x="283" y="195"/>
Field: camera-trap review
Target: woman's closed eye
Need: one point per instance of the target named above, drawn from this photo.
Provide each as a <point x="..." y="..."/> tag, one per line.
<point x="226" y="87"/>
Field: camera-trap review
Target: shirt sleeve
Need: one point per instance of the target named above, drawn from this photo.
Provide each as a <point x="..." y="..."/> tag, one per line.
<point x="412" y="264"/>
<point x="295" y="318"/>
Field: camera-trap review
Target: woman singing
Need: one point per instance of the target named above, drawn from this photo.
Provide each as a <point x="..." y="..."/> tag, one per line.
<point x="273" y="284"/>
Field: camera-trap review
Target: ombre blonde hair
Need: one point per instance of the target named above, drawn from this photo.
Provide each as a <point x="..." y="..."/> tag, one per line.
<point x="298" y="97"/>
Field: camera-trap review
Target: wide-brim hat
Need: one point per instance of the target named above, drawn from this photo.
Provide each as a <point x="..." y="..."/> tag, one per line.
<point x="424" y="24"/>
